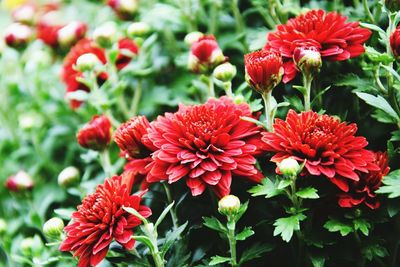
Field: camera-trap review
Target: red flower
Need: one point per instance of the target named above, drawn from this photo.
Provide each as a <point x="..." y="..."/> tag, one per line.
<point x="363" y="191"/>
<point x="127" y="49"/>
<point x="96" y="134"/>
<point x="395" y="42"/>
<point x="100" y="219"/>
<point x="264" y="70"/>
<point x="329" y="33"/>
<point x="69" y="74"/>
<point x="205" y="54"/>
<point x="205" y="144"/>
<point x="328" y="147"/>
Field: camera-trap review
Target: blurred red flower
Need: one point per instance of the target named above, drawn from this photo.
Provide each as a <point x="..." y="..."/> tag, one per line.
<point x="395" y="42"/>
<point x="100" y="219"/>
<point x="96" y="134"/>
<point x="329" y="33"/>
<point x="363" y="191"/>
<point x="205" y="144"/>
<point x="127" y="49"/>
<point x="328" y="147"/>
<point x="205" y="54"/>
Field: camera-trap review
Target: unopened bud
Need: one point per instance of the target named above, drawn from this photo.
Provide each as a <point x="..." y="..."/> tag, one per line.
<point x="17" y="35"/>
<point x="229" y="205"/>
<point x="68" y="177"/>
<point x="71" y="33"/>
<point x="192" y="37"/>
<point x="289" y="167"/>
<point x="87" y="62"/>
<point x="27" y="246"/>
<point x="53" y="228"/>
<point x="138" y="29"/>
<point x="239" y="99"/>
<point x="19" y="182"/>
<point x="308" y="60"/>
<point x="24" y="14"/>
<point x="105" y="34"/>
<point x="225" y="72"/>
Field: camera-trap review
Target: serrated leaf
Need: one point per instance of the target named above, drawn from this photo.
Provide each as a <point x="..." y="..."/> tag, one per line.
<point x="267" y="188"/>
<point x="334" y="225"/>
<point x="254" y="252"/>
<point x="377" y="57"/>
<point x="241" y="211"/>
<point x="391" y="184"/>
<point x="283" y="184"/>
<point x="308" y="192"/>
<point x="362" y="225"/>
<point x="218" y="259"/>
<point x="286" y="226"/>
<point x="243" y="235"/>
<point x="378" y="102"/>
<point x="215" y="224"/>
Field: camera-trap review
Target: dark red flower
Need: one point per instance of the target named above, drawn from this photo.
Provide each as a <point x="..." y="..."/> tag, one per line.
<point x="127" y="49"/>
<point x="100" y="219"/>
<point x="206" y="145"/>
<point x="363" y="191"/>
<point x="19" y="182"/>
<point x="205" y="54"/>
<point x="329" y="33"/>
<point x="96" y="134"/>
<point x="328" y="147"/>
<point x="69" y="74"/>
<point x="125" y="9"/>
<point x="264" y="70"/>
<point x="395" y="42"/>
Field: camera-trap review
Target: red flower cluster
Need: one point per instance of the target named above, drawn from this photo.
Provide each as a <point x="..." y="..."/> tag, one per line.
<point x="363" y="191"/>
<point x="69" y="73"/>
<point x="264" y="70"/>
<point x="205" y="54"/>
<point x="206" y="145"/>
<point x="100" y="219"/>
<point x="328" y="33"/>
<point x="328" y="147"/>
<point x="96" y="134"/>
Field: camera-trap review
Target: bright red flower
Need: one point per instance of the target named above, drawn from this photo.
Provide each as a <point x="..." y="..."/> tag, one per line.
<point x="363" y="191"/>
<point x="206" y="145"/>
<point x="127" y="49"/>
<point x="205" y="54"/>
<point x="96" y="134"/>
<point x="100" y="219"/>
<point x="264" y="69"/>
<point x="395" y="42"/>
<point x="69" y="74"/>
<point x="329" y="33"/>
<point x="328" y="147"/>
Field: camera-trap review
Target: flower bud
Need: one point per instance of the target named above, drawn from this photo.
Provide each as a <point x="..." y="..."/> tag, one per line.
<point x="3" y="226"/>
<point x="392" y="5"/>
<point x="71" y="33"/>
<point x="205" y="55"/>
<point x="140" y="29"/>
<point x="125" y="9"/>
<point x="27" y="246"/>
<point x="225" y="72"/>
<point x="69" y="177"/>
<point x="229" y="205"/>
<point x="308" y="60"/>
<point x="53" y="228"/>
<point x="264" y="70"/>
<point x="192" y="37"/>
<point x="30" y="120"/>
<point x="87" y="62"/>
<point x="18" y="35"/>
<point x="96" y="134"/>
<point x="395" y="43"/>
<point x="19" y="182"/>
<point x="24" y="14"/>
<point x="106" y="34"/>
<point x="289" y="167"/>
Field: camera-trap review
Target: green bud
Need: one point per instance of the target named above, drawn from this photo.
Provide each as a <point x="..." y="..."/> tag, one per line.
<point x="53" y="228"/>
<point x="289" y="167"/>
<point x="138" y="29"/>
<point x="68" y="177"/>
<point x="229" y="205"/>
<point x="225" y="72"/>
<point x="239" y="99"/>
<point x="105" y="34"/>
<point x="87" y="62"/>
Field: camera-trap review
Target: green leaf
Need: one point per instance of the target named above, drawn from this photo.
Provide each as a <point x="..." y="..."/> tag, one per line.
<point x="64" y="213"/>
<point x="391" y="185"/>
<point x="170" y="238"/>
<point x="362" y="225"/>
<point x="378" y="102"/>
<point x="373" y="27"/>
<point x="286" y="226"/>
<point x="334" y="225"/>
<point x="284" y="183"/>
<point x="317" y="260"/>
<point x="218" y="259"/>
<point x="308" y="192"/>
<point x="164" y="213"/>
<point x="254" y="252"/>
<point x="377" y="57"/>
<point x="267" y="188"/>
<point x="215" y="224"/>
<point x="145" y="240"/>
<point x="243" y="235"/>
<point x="241" y="211"/>
<point x="374" y="251"/>
<point x="134" y="212"/>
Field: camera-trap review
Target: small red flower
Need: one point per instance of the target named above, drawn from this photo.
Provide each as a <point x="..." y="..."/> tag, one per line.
<point x="96" y="134"/>
<point x="329" y="33"/>
<point x="264" y="69"/>
<point x="205" y="145"/>
<point x="328" y="147"/>
<point x="19" y="182"/>
<point x="100" y="219"/>
<point x="395" y="42"/>
<point x="127" y="49"/>
<point x="363" y="191"/>
<point x="205" y="54"/>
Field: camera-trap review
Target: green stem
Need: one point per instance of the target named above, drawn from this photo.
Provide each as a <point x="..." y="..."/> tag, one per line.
<point x="232" y="241"/>
<point x="211" y="91"/>
<point x="368" y="12"/>
<point x="214" y="15"/>
<point x="240" y="25"/>
<point x="172" y="210"/>
<point x="268" y="112"/>
<point x="307" y="81"/>
<point x="106" y="162"/>
<point x="228" y="89"/>
<point x="136" y="98"/>
<point x="151" y="232"/>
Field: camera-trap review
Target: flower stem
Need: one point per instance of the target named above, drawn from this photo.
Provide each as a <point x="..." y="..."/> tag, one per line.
<point x="136" y="98"/>
<point x="240" y="26"/>
<point x="228" y="89"/>
<point x="307" y="81"/>
<point x="268" y="112"/>
<point x="368" y="12"/>
<point x="106" y="162"/>
<point x="172" y="210"/>
<point x="211" y="91"/>
<point x="232" y="241"/>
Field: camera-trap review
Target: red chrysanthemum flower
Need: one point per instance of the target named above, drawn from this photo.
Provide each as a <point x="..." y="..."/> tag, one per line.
<point x="127" y="49"/>
<point x="363" y="191"/>
<point x="264" y="70"/>
<point x="206" y="145"/>
<point x="69" y="74"/>
<point x="329" y="33"/>
<point x="96" y="134"/>
<point x="395" y="42"/>
<point x="328" y="147"/>
<point x="100" y="219"/>
<point x="205" y="54"/>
